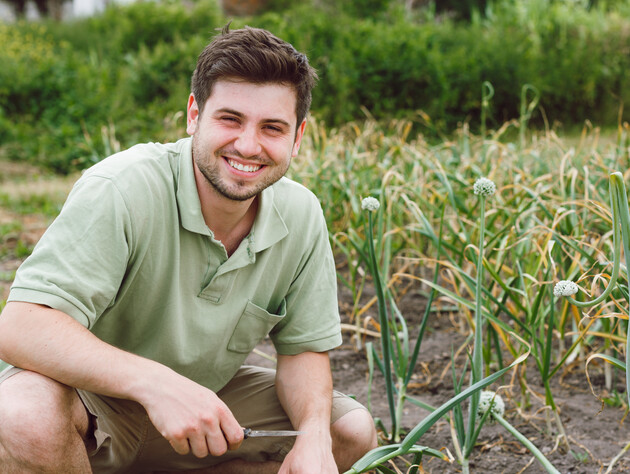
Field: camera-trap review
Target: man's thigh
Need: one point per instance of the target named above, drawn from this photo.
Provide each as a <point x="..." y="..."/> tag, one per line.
<point x="251" y="395"/>
<point x="8" y="372"/>
<point x="34" y="407"/>
<point x="128" y="442"/>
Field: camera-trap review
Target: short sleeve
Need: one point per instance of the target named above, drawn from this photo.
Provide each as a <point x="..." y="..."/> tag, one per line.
<point x="79" y="263"/>
<point x="312" y="322"/>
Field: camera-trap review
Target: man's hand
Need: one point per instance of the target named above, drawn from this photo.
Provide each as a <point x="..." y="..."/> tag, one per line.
<point x="310" y="455"/>
<point x="189" y="416"/>
<point x="192" y="418"/>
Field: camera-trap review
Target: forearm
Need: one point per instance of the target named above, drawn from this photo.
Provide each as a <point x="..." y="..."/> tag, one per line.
<point x="190" y="416"/>
<point x="304" y="386"/>
<point x="49" y="342"/>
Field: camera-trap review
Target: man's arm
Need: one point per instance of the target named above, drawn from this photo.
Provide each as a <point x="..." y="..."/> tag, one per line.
<point x="47" y="341"/>
<point x="304" y="386"/>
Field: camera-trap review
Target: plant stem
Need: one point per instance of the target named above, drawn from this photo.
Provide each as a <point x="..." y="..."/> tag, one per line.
<point x="616" y="180"/>
<point x="527" y="443"/>
<point x="561" y="431"/>
<point x="399" y="409"/>
<point x="384" y="321"/>
<point x="477" y="360"/>
<point x="465" y="467"/>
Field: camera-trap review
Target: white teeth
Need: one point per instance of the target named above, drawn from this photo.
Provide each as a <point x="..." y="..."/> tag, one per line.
<point x="247" y="168"/>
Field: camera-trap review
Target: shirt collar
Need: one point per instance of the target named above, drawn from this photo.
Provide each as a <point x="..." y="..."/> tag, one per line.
<point x="187" y="196"/>
<point x="269" y="226"/>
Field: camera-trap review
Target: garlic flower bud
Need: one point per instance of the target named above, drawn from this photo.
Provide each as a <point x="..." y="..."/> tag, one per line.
<point x="565" y="288"/>
<point x="485" y="187"/>
<point x="370" y="204"/>
<point x="488" y="400"/>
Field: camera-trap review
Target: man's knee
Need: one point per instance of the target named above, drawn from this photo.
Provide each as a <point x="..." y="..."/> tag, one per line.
<point x="354" y="435"/>
<point x="38" y="417"/>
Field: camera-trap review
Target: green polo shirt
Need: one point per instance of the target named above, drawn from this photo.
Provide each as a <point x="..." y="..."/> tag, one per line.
<point x="131" y="258"/>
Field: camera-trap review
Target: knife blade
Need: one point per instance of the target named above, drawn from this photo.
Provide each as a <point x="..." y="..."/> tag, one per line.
<point x="249" y="433"/>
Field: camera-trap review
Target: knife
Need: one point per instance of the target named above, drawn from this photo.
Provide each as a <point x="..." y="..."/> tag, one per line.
<point x="249" y="433"/>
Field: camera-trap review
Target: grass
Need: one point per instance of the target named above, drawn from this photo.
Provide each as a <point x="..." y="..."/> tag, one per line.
<point x="33" y="194"/>
<point x="29" y="201"/>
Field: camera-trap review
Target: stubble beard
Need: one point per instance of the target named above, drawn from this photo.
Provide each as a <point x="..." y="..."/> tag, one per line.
<point x="210" y="168"/>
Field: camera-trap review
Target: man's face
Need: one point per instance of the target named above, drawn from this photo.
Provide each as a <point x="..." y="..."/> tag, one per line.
<point x="246" y="136"/>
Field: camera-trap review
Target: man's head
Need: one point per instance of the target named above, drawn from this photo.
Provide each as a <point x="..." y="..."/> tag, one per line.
<point x="256" y="56"/>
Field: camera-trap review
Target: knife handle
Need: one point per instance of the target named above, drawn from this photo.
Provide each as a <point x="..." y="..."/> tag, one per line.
<point x="246" y="432"/>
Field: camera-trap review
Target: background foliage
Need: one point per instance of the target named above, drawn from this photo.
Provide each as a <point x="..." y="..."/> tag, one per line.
<point x="71" y="92"/>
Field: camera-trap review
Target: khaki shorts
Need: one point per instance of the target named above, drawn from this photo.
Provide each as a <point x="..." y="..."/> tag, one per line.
<point x="127" y="441"/>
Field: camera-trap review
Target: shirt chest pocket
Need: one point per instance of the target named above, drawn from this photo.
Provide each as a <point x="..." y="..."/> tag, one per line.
<point x="253" y="325"/>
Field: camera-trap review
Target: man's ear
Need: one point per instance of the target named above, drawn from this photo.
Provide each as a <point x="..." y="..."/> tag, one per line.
<point x="298" y="138"/>
<point x="192" y="115"/>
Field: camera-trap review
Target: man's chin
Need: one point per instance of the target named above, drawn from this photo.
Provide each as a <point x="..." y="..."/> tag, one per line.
<point x="238" y="191"/>
<point x="240" y="194"/>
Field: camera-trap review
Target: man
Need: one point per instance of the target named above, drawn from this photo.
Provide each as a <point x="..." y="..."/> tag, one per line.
<point x="127" y="327"/>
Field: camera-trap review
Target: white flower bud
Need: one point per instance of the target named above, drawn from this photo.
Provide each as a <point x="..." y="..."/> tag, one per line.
<point x="370" y="204"/>
<point x="488" y="400"/>
<point x="485" y="187"/>
<point x="565" y="288"/>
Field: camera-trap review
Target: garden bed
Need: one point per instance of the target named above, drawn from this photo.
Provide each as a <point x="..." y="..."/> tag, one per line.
<point x="596" y="433"/>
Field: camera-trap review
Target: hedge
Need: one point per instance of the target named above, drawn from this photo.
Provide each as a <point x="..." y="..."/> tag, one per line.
<point x="71" y="92"/>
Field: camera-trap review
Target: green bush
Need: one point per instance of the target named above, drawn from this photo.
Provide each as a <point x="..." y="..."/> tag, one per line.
<point x="61" y="83"/>
<point x="397" y="67"/>
<point x="128" y="69"/>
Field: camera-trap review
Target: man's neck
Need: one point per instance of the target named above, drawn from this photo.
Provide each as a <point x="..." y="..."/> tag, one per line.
<point x="230" y="221"/>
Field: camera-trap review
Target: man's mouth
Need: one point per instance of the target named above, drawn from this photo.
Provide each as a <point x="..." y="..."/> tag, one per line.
<point x="242" y="167"/>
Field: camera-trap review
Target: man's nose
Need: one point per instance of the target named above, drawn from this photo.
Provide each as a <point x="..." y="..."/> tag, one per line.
<point x="247" y="143"/>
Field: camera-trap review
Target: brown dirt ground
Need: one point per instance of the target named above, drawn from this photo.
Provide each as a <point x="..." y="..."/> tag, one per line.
<point x="596" y="434"/>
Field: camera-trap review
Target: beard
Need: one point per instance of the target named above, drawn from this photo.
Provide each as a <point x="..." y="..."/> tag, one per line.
<point x="210" y="164"/>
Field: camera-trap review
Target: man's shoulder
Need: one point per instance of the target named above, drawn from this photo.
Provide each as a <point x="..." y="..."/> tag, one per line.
<point x="142" y="171"/>
<point x="293" y="197"/>
<point x="137" y="161"/>
<point x="300" y="211"/>
<point x="143" y="176"/>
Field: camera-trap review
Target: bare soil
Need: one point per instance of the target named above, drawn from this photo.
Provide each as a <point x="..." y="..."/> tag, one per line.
<point x="596" y="433"/>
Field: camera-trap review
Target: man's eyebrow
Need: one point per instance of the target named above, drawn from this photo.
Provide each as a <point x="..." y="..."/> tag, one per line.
<point x="227" y="110"/>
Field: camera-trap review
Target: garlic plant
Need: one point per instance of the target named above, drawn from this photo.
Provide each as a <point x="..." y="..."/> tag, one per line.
<point x="377" y="457"/>
<point x="492" y="405"/>
<point x="484" y="188"/>
<point x="398" y="360"/>
<point x="621" y="225"/>
<point x="372" y="205"/>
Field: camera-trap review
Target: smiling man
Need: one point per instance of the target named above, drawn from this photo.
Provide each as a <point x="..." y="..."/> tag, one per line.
<point x="125" y="332"/>
<point x="256" y="147"/>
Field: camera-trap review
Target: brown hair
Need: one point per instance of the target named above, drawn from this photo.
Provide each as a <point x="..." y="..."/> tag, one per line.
<point x="253" y="55"/>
